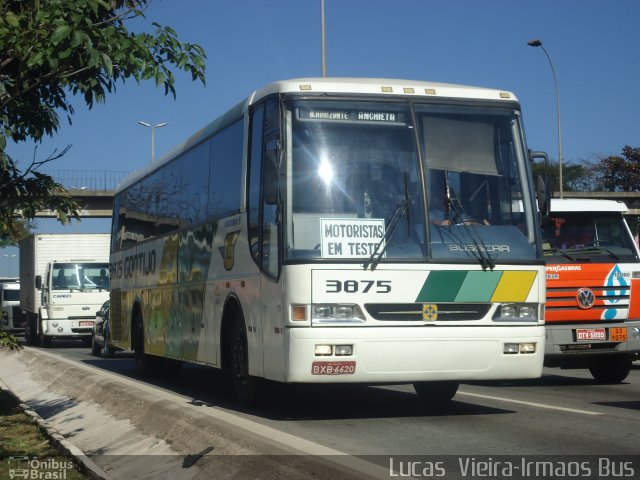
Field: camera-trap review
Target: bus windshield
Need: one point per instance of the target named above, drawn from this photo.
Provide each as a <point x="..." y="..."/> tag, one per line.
<point x="366" y="179"/>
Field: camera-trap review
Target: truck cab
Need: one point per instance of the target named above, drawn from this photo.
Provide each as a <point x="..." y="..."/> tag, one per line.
<point x="592" y="311"/>
<point x="71" y="292"/>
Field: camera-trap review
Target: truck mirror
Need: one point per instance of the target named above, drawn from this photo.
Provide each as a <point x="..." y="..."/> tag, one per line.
<point x="39" y="282"/>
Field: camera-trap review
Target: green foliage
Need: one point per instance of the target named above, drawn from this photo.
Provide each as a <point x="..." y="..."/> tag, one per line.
<point x="620" y="173"/>
<point x="9" y="341"/>
<point x="19" y="229"/>
<point x="53" y="50"/>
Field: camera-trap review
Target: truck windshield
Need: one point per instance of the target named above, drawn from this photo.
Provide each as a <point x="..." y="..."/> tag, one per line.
<point x="587" y="236"/>
<point x="80" y="276"/>
<point x="355" y="166"/>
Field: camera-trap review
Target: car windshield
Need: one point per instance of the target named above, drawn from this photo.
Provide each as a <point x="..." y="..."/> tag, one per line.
<point x="356" y="186"/>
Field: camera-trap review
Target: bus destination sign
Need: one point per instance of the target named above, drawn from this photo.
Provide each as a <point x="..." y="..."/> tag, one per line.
<point x="353" y="116"/>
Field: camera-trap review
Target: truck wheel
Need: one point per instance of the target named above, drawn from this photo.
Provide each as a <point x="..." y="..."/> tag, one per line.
<point x="45" y="341"/>
<point x="611" y="369"/>
<point x="244" y="385"/>
<point x="436" y="393"/>
<point x="31" y="332"/>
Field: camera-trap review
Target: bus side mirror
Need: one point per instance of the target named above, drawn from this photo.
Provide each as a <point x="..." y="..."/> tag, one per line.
<point x="38" y="282"/>
<point x="543" y="192"/>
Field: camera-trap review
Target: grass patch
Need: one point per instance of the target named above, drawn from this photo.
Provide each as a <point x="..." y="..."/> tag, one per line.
<point x="24" y="448"/>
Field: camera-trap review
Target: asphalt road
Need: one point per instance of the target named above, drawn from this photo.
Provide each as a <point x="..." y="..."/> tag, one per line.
<point x="563" y="413"/>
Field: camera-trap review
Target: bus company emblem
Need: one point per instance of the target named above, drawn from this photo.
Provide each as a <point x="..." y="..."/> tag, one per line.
<point x="585" y="298"/>
<point x="229" y="249"/>
<point x="429" y="312"/>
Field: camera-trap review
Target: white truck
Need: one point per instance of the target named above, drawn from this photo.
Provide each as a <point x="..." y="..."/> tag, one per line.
<point x="13" y="319"/>
<point x="64" y="280"/>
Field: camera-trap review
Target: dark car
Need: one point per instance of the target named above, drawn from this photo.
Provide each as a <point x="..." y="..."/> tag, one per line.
<point x="100" y="337"/>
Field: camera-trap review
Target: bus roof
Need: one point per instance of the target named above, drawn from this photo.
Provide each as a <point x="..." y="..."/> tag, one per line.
<point x="587" y="205"/>
<point x="384" y="86"/>
<point x="335" y="85"/>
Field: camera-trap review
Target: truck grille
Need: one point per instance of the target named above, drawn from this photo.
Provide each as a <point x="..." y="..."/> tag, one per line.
<point x="564" y="299"/>
<point x="407" y="312"/>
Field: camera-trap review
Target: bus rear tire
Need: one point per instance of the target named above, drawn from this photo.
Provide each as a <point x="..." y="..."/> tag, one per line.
<point x="436" y="393"/>
<point x="245" y="386"/>
<point x="611" y="369"/>
<point x="146" y="365"/>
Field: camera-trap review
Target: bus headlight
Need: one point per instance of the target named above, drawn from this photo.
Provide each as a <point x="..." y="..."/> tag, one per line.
<point x="516" y="312"/>
<point x="336" y="313"/>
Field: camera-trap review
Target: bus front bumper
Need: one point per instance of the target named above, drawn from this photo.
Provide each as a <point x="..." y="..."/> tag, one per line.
<point x="413" y="354"/>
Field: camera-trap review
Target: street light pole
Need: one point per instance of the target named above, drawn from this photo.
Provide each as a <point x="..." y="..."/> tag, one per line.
<point x="153" y="129"/>
<point x="324" y="56"/>
<point x="538" y="43"/>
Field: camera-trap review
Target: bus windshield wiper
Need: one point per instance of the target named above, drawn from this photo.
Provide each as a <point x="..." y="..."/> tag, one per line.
<point x="377" y="254"/>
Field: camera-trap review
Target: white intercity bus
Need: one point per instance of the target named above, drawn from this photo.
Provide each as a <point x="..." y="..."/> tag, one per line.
<point x="338" y="230"/>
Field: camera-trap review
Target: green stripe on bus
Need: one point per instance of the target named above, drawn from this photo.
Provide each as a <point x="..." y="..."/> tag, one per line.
<point x="478" y="286"/>
<point x="441" y="286"/>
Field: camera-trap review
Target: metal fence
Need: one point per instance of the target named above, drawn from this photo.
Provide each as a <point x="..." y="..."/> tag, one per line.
<point x="87" y="179"/>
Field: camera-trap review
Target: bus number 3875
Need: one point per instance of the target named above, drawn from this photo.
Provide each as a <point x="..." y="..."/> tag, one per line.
<point x="358" y="286"/>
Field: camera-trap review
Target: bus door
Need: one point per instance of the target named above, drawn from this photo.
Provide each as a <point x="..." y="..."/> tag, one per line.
<point x="264" y="239"/>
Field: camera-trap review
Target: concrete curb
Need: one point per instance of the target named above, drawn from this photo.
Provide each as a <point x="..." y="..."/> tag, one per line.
<point x="60" y="443"/>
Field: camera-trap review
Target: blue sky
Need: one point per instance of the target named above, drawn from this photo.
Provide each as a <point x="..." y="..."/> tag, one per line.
<point x="594" y="46"/>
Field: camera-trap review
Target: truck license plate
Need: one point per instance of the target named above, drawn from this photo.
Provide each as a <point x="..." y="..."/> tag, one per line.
<point x="86" y="323"/>
<point x="618" y="334"/>
<point x="333" y="368"/>
<point x="591" y="334"/>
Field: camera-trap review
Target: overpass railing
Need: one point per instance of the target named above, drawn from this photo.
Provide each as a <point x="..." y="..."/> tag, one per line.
<point x="87" y="179"/>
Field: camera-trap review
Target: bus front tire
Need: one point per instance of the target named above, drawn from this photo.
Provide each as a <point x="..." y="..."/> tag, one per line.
<point x="436" y="393"/>
<point x="245" y="386"/>
<point x="611" y="369"/>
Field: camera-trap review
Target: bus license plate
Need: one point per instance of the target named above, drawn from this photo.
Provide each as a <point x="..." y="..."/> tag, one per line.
<point x="618" y="334"/>
<point x="591" y="334"/>
<point x="333" y="368"/>
<point x="86" y="323"/>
